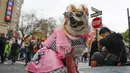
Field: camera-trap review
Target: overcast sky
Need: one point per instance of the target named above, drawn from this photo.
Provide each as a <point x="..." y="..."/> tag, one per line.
<point x="114" y="11"/>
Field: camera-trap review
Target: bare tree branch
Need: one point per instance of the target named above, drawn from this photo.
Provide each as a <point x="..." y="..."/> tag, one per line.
<point x="29" y="23"/>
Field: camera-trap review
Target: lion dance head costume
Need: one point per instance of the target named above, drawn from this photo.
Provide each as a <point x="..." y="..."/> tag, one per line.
<point x="65" y="45"/>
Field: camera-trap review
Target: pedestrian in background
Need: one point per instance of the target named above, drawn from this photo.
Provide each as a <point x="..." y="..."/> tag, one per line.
<point x="35" y="48"/>
<point x="6" y="51"/>
<point x="41" y="44"/>
<point x="2" y="47"/>
<point x="14" y="51"/>
<point x="94" y="48"/>
<point x="28" y="58"/>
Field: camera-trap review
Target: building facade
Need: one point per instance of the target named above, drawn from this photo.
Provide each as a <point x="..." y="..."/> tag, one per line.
<point x="10" y="11"/>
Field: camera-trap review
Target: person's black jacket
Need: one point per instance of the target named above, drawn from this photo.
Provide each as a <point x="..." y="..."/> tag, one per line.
<point x="2" y="44"/>
<point x="94" y="48"/>
<point x="14" y="49"/>
<point x="114" y="44"/>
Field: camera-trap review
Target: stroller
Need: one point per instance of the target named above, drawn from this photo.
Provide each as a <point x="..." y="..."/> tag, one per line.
<point x="22" y="54"/>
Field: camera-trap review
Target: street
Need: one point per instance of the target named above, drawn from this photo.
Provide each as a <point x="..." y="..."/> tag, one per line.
<point x="107" y="69"/>
<point x="84" y="68"/>
<point x="7" y="67"/>
<point x="19" y="67"/>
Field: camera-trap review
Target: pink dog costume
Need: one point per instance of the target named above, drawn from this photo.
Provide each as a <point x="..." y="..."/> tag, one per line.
<point x="59" y="54"/>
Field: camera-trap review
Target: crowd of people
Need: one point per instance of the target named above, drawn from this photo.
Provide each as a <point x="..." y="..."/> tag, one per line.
<point x="8" y="50"/>
<point x="110" y="50"/>
<point x="12" y="50"/>
<point x="29" y="50"/>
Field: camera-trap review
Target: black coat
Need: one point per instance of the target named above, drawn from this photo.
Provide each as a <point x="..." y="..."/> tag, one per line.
<point x="2" y="44"/>
<point x="94" y="48"/>
<point x="114" y="44"/>
<point x="14" y="49"/>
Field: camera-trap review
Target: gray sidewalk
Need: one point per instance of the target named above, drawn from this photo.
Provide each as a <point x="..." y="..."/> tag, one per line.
<point x="9" y="68"/>
<point x="107" y="69"/>
<point x="83" y="68"/>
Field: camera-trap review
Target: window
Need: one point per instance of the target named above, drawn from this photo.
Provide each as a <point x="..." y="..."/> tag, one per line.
<point x="8" y="12"/>
<point x="10" y="3"/>
<point x="10" y="8"/>
<point x="7" y="17"/>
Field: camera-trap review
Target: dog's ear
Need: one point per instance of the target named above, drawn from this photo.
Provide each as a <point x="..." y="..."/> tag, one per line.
<point x="85" y="9"/>
<point x="71" y="8"/>
<point x="65" y="14"/>
<point x="68" y="14"/>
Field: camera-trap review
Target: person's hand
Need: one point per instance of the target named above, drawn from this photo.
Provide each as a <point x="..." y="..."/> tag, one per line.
<point x="103" y="49"/>
<point x="93" y="63"/>
<point x="89" y="50"/>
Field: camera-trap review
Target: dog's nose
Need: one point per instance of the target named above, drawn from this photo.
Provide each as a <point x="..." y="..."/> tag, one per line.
<point x="72" y="20"/>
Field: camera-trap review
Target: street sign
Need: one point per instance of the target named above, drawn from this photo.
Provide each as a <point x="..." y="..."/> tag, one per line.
<point x="94" y="9"/>
<point x="96" y="14"/>
<point x="96" y="22"/>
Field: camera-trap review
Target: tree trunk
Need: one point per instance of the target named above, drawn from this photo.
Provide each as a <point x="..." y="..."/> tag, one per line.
<point x="21" y="42"/>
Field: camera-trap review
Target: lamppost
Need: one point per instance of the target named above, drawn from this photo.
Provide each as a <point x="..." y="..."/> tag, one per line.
<point x="128" y="24"/>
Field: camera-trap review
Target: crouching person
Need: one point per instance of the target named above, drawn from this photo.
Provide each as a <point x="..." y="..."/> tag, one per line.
<point x="111" y="49"/>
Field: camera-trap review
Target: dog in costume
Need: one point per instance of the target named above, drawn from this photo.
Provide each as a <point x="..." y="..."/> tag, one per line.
<point x="62" y="49"/>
